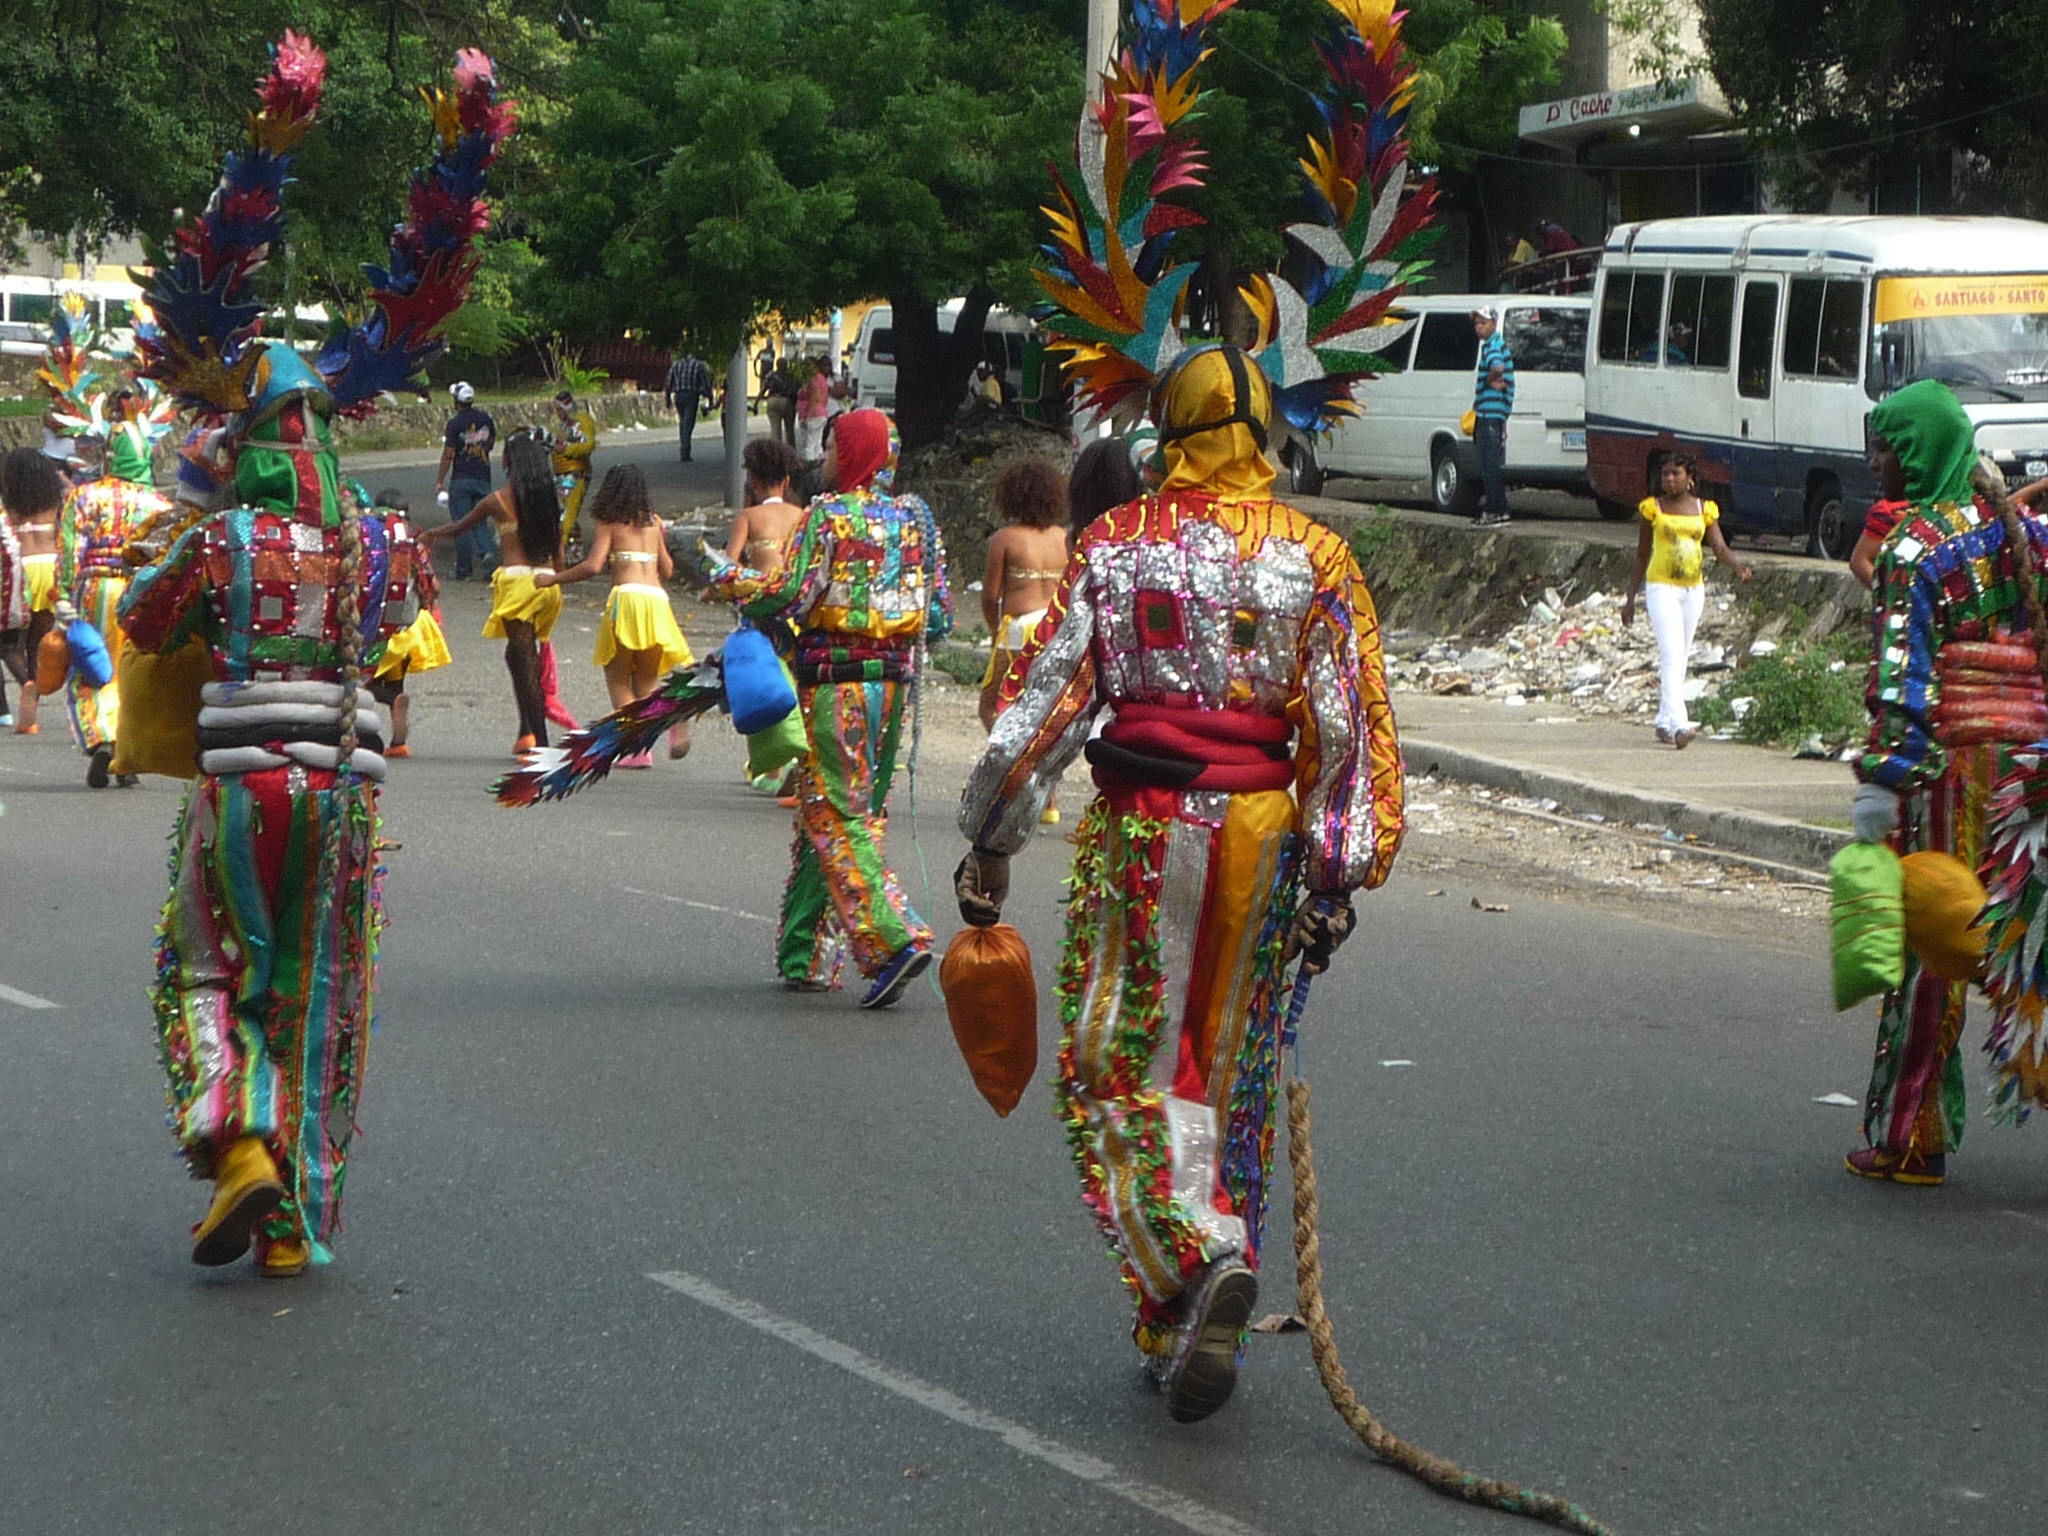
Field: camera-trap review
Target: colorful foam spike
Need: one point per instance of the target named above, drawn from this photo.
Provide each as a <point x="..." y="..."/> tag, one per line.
<point x="588" y="755"/>
<point x="202" y="321"/>
<point x="1116" y="299"/>
<point x="2016" y="948"/>
<point x="432" y="260"/>
<point x="76" y="396"/>
<point x="1370" y="235"/>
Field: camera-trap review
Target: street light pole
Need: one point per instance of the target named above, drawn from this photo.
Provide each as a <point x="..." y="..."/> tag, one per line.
<point x="1102" y="17"/>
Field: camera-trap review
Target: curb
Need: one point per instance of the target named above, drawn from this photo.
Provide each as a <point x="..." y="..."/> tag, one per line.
<point x="1799" y="844"/>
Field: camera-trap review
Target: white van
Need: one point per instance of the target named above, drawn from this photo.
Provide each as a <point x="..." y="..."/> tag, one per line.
<point x="28" y="304"/>
<point x="1409" y="426"/>
<point x="1759" y="344"/>
<point x="873" y="370"/>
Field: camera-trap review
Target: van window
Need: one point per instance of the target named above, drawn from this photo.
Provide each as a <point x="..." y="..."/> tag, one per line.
<point x="1759" y="326"/>
<point x="1546" y="340"/>
<point x="117" y="313"/>
<point x="1631" y="317"/>
<point x="35" y="308"/>
<point x="1702" y="320"/>
<point x="1824" y="327"/>
<point x="1448" y="344"/>
<point x="882" y="346"/>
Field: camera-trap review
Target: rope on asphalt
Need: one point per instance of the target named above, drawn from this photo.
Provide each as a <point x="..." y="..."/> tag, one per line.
<point x="1446" y="1477"/>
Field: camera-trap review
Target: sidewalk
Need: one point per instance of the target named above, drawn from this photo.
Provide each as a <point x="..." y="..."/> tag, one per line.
<point x="1755" y="800"/>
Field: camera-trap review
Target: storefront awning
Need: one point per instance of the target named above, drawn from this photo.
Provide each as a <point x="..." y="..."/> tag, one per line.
<point x="1667" y="108"/>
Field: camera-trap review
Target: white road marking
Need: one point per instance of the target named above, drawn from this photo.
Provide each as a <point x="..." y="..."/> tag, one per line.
<point x="2037" y="1220"/>
<point x="1163" y="1502"/>
<point x="701" y="906"/>
<point x="25" y="999"/>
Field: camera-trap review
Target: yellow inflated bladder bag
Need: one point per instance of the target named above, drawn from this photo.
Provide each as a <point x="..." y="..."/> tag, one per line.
<point x="1943" y="899"/>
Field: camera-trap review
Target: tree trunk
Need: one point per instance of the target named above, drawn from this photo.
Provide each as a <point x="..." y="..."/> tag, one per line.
<point x="932" y="366"/>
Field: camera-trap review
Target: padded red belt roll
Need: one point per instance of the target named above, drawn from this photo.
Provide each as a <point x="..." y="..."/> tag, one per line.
<point x="1231" y="750"/>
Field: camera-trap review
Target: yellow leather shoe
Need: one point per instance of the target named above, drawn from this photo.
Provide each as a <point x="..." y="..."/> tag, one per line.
<point x="284" y="1258"/>
<point x="246" y="1189"/>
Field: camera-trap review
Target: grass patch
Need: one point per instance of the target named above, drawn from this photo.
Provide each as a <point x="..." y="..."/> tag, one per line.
<point x="22" y="407"/>
<point x="1814" y="692"/>
<point x="960" y="664"/>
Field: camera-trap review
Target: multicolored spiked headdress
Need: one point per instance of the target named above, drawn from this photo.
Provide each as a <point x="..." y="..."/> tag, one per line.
<point x="77" y="390"/>
<point x="203" y="344"/>
<point x="1119" y="303"/>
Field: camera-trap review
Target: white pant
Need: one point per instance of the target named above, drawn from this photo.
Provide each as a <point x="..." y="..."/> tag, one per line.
<point x="1674" y="616"/>
<point x="810" y="437"/>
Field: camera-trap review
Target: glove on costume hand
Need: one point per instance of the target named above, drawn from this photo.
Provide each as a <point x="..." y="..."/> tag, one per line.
<point x="981" y="884"/>
<point x="1875" y="816"/>
<point x="1323" y="922"/>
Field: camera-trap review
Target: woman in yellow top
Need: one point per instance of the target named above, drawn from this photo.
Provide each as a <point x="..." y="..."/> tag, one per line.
<point x="638" y="642"/>
<point x="1678" y="527"/>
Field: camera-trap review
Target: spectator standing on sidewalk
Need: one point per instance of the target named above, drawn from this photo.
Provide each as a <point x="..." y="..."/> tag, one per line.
<point x="1671" y="575"/>
<point x="688" y="386"/>
<point x="813" y="406"/>
<point x="780" y="388"/>
<point x="1493" y="399"/>
<point x="464" y="479"/>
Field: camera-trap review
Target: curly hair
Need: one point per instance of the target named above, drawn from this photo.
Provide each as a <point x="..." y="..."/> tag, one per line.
<point x="1032" y="492"/>
<point x="622" y="498"/>
<point x="1684" y="461"/>
<point x="30" y="483"/>
<point x="771" y="462"/>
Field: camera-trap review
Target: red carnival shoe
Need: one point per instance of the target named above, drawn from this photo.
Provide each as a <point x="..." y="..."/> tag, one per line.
<point x="1925" y="1168"/>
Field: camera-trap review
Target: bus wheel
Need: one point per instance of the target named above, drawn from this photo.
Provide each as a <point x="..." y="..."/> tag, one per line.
<point x="1614" y="511"/>
<point x="1450" y="488"/>
<point x="1829" y="532"/>
<point x="1304" y="471"/>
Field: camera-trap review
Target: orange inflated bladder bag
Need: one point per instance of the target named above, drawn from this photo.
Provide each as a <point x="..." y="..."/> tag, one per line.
<point x="992" y="1003"/>
<point x="53" y="662"/>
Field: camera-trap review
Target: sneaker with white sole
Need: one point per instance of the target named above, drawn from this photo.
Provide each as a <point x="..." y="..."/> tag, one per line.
<point x="1204" y="1370"/>
<point x="904" y="967"/>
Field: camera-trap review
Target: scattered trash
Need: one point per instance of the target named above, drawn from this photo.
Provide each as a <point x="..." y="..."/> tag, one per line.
<point x="1488" y="906"/>
<point x="1836" y="1100"/>
<point x="1763" y="648"/>
<point x="1436" y="893"/>
<point x="913" y="1471"/>
<point x="1402" y="1061"/>
<point x="1514" y="701"/>
<point x="1280" y="1322"/>
<point x="282" y="1312"/>
<point x="1814" y="747"/>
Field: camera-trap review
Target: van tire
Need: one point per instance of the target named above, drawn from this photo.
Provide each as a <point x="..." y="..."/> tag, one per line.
<point x="1304" y="470"/>
<point x="1614" y="511"/>
<point x="1829" y="533"/>
<point x="1451" y="489"/>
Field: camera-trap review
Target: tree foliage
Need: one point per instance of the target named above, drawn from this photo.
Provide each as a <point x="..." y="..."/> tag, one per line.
<point x="1842" y="90"/>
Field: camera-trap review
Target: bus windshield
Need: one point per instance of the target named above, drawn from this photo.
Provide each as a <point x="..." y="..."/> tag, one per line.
<point x="1986" y="338"/>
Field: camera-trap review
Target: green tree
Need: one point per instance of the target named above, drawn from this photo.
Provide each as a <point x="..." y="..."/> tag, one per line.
<point x="1886" y="93"/>
<point x="724" y="158"/>
<point x="113" y="117"/>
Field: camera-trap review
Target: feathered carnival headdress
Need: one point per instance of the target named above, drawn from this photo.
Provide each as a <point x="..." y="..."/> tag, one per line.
<point x="203" y="344"/>
<point x="1118" y="304"/>
<point x="77" y="405"/>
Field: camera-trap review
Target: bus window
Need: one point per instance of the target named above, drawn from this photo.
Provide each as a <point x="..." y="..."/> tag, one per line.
<point x="1631" y="317"/>
<point x="1546" y="340"/>
<point x="34" y="308"/>
<point x="1448" y="344"/>
<point x="1824" y="327"/>
<point x="1759" y="326"/>
<point x="1702" y="320"/>
<point x="882" y="345"/>
<point x="117" y="313"/>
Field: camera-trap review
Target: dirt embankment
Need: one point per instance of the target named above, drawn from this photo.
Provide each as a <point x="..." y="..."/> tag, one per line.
<point x="957" y="477"/>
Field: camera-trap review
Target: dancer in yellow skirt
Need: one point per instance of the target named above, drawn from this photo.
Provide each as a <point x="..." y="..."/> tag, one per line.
<point x="419" y="647"/>
<point x="528" y="515"/>
<point x="638" y="642"/>
<point x="31" y="495"/>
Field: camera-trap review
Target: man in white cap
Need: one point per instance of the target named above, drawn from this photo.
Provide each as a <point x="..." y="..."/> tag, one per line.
<point x="1493" y="400"/>
<point x="465" y="479"/>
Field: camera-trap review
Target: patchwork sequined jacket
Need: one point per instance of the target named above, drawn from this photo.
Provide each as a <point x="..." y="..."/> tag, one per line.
<point x="1184" y="600"/>
<point x="101" y="519"/>
<point x="262" y="589"/>
<point x="864" y="574"/>
<point x="1946" y="580"/>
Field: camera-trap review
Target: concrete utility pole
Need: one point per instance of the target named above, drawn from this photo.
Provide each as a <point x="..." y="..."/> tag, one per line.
<point x="736" y="391"/>
<point x="1102" y="18"/>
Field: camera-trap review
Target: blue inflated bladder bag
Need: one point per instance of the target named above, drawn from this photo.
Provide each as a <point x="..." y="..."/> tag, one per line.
<point x="89" y="658"/>
<point x="757" y="689"/>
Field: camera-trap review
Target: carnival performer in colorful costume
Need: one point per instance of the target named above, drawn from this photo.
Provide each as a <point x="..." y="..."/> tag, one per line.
<point x="267" y="949"/>
<point x="865" y="584"/>
<point x="574" y="444"/>
<point x="1249" y="777"/>
<point x="1954" y="689"/>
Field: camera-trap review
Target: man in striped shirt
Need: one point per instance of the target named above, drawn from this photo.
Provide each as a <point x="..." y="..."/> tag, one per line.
<point x="688" y="387"/>
<point x="1493" y="398"/>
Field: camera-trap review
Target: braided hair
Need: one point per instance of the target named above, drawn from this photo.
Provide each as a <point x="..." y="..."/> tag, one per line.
<point x="348" y="612"/>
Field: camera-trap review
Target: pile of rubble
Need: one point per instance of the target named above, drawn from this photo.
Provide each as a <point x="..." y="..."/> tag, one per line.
<point x="1569" y="650"/>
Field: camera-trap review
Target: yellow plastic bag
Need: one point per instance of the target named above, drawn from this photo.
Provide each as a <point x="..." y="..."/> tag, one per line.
<point x="1469" y="423"/>
<point x="1868" y="922"/>
<point x="159" y="727"/>
<point x="992" y="1004"/>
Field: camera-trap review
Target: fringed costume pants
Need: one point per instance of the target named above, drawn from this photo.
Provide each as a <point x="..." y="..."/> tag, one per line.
<point x="1917" y="1102"/>
<point x="265" y="963"/>
<point x="838" y="882"/>
<point x="1172" y="1000"/>
<point x="95" y="712"/>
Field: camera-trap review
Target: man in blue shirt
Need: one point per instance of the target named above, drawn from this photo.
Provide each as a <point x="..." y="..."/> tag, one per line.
<point x="465" y="478"/>
<point x="1493" y="399"/>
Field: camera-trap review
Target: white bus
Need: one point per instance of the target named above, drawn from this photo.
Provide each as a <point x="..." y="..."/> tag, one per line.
<point x="27" y="305"/>
<point x="1759" y="345"/>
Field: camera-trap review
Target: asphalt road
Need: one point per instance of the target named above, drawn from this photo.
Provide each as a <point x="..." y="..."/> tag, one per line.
<point x="637" y="1242"/>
